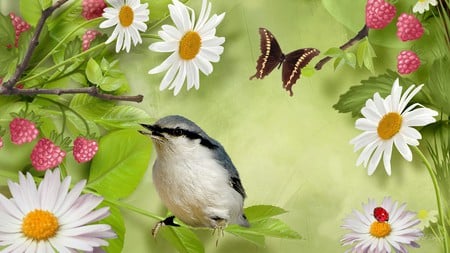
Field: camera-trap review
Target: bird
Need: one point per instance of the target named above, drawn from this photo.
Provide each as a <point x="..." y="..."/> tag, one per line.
<point x="194" y="176"/>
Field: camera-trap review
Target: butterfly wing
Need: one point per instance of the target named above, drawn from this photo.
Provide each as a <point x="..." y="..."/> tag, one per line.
<point x="293" y="64"/>
<point x="271" y="55"/>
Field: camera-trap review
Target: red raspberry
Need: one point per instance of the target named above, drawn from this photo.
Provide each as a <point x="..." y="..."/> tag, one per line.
<point x="379" y="13"/>
<point x="88" y="37"/>
<point x="93" y="8"/>
<point x="84" y="149"/>
<point x="46" y="155"/>
<point x="20" y="26"/>
<point x="407" y="62"/>
<point x="22" y="131"/>
<point x="409" y="27"/>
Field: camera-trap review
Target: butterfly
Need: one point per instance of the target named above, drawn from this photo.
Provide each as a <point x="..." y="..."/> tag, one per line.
<point x="272" y="56"/>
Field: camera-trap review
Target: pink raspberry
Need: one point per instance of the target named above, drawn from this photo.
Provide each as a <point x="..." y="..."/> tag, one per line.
<point x="88" y="37"/>
<point x="84" y="149"/>
<point x="93" y="8"/>
<point x="407" y="62"/>
<point x="379" y="13"/>
<point x="20" y="26"/>
<point x="22" y="131"/>
<point x="409" y="27"/>
<point x="46" y="155"/>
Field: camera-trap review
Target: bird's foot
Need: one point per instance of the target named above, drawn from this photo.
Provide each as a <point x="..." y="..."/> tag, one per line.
<point x="166" y="222"/>
<point x="221" y="224"/>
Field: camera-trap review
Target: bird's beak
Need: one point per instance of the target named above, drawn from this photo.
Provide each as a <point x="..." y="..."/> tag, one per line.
<point x="154" y="130"/>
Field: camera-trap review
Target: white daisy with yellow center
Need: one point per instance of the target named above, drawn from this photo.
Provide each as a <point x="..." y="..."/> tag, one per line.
<point x="389" y="122"/>
<point x="128" y="17"/>
<point x="50" y="218"/>
<point x="194" y="46"/>
<point x="372" y="236"/>
<point x="423" y="5"/>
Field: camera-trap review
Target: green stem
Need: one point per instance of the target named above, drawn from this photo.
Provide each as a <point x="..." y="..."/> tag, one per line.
<point x="8" y="174"/>
<point x="438" y="197"/>
<point x="62" y="63"/>
<point x="62" y="41"/>
<point x="150" y="36"/>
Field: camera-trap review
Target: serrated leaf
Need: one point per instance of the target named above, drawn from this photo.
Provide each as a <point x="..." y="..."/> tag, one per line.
<point x="110" y="83"/>
<point x="267" y="227"/>
<point x="73" y="48"/>
<point x="438" y="86"/>
<point x="7" y="35"/>
<point x="260" y="212"/>
<point x="124" y="116"/>
<point x="183" y="239"/>
<point x="8" y="58"/>
<point x="90" y="107"/>
<point x="122" y="156"/>
<point x="79" y="78"/>
<point x="355" y="98"/>
<point x="93" y="72"/>
<point x="117" y="223"/>
<point x="259" y="240"/>
<point x="31" y="11"/>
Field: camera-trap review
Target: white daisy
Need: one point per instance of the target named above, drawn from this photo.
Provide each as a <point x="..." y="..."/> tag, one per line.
<point x="373" y="236"/>
<point x="389" y="122"/>
<point x="129" y="17"/>
<point x="194" y="46"/>
<point x="427" y="217"/>
<point x="50" y="218"/>
<point x="423" y="5"/>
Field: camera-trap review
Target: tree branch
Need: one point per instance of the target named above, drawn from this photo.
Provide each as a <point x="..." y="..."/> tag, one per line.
<point x="361" y="35"/>
<point x="9" y="89"/>
<point x="92" y="91"/>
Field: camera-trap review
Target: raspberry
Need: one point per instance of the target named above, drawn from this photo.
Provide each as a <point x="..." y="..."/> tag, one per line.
<point x="22" y="131"/>
<point x="93" y="8"/>
<point x="409" y="27"/>
<point x="407" y="62"/>
<point x="84" y="149"/>
<point x="88" y="37"/>
<point x="379" y="13"/>
<point x="46" y="155"/>
<point x="20" y="26"/>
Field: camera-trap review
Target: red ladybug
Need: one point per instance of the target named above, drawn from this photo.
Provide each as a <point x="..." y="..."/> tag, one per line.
<point x="380" y="214"/>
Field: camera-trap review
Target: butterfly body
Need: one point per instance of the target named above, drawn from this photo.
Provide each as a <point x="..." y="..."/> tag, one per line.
<point x="272" y="56"/>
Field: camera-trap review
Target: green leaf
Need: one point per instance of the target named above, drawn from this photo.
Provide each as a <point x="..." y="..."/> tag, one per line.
<point x="45" y="3"/>
<point x="31" y="11"/>
<point x="259" y="240"/>
<point x="124" y="116"/>
<point x="8" y="59"/>
<point x="365" y="55"/>
<point x="355" y="98"/>
<point x="66" y="21"/>
<point x="24" y="43"/>
<point x="334" y="52"/>
<point x="120" y="163"/>
<point x="90" y="107"/>
<point x="7" y="36"/>
<point x="340" y="11"/>
<point x="73" y="48"/>
<point x="93" y="72"/>
<point x="350" y="59"/>
<point x="115" y="219"/>
<point x="261" y="212"/>
<point x="183" y="239"/>
<point x="437" y="85"/>
<point x="308" y="71"/>
<point x="338" y="62"/>
<point x="110" y="83"/>
<point x="267" y="227"/>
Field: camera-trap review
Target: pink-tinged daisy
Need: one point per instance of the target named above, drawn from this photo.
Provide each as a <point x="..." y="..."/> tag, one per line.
<point x="381" y="228"/>
<point x="423" y="5"/>
<point x="128" y="17"/>
<point x="389" y="122"/>
<point x="194" y="46"/>
<point x="50" y="218"/>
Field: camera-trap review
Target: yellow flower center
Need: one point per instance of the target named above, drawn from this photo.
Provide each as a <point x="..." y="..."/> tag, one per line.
<point x="422" y="1"/>
<point x="190" y="45"/>
<point x="389" y="125"/>
<point x="422" y="214"/>
<point x="126" y="16"/>
<point x="39" y="225"/>
<point x="380" y="229"/>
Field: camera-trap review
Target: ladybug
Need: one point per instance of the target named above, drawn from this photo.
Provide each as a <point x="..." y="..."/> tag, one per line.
<point x="380" y="214"/>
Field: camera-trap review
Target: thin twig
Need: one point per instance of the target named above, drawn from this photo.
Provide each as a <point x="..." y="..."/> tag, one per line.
<point x="361" y="35"/>
<point x="33" y="44"/>
<point x="92" y="91"/>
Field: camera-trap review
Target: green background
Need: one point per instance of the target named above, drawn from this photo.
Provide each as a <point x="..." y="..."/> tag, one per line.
<point x="291" y="152"/>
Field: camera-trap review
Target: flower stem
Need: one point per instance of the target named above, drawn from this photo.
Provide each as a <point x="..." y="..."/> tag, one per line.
<point x="438" y="197"/>
<point x="134" y="209"/>
<point x="150" y="36"/>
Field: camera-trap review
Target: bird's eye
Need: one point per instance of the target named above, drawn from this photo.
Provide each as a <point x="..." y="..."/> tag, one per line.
<point x="178" y="132"/>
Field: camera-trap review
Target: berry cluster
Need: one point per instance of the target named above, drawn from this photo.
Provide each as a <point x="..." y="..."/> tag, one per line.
<point x="46" y="154"/>
<point x="92" y="8"/>
<point x="379" y="14"/>
<point x="19" y="25"/>
<point x="88" y="37"/>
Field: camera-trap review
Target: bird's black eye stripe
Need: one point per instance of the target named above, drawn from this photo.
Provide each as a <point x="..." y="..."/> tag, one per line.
<point x="190" y="135"/>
